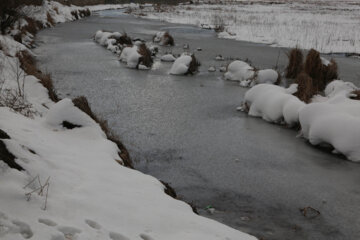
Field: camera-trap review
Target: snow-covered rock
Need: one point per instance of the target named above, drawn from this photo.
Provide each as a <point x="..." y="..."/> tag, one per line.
<point x="274" y="103"/>
<point x="212" y="69"/>
<point x="130" y="56"/>
<point x="168" y="58"/>
<point x="163" y="38"/>
<point x="181" y="65"/>
<point x="269" y="76"/>
<point x="240" y="71"/>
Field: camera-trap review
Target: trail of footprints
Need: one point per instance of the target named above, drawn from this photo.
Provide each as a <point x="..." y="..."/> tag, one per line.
<point x="16" y="227"/>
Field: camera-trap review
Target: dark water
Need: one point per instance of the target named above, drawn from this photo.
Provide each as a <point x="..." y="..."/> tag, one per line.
<point x="185" y="130"/>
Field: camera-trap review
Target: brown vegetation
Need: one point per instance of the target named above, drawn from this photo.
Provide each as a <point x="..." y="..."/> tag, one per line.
<point x="124" y="39"/>
<point x="194" y="65"/>
<point x="355" y="95"/>
<point x="50" y="20"/>
<point x="146" y="54"/>
<point x="168" y="39"/>
<point x="320" y="73"/>
<point x="295" y="65"/>
<point x="306" y="88"/>
<point x="83" y="104"/>
<point x="28" y="64"/>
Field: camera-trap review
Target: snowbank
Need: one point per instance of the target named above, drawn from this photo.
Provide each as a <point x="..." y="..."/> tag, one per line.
<point x="332" y="119"/>
<point x="181" y="65"/>
<point x="274" y="103"/>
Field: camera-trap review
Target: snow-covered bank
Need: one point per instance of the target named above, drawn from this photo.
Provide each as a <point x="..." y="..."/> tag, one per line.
<point x="327" y="26"/>
<point x="73" y="186"/>
<point x="332" y="119"/>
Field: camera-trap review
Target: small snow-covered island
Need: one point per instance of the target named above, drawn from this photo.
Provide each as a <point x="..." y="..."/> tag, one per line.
<point x="179" y="120"/>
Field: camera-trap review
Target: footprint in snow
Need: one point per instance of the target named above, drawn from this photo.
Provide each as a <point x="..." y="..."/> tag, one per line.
<point x="117" y="236"/>
<point x="47" y="222"/>
<point x="69" y="232"/>
<point x="22" y="228"/>
<point x="93" y="224"/>
<point x="146" y="236"/>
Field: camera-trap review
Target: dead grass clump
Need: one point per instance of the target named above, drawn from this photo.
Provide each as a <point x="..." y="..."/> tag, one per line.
<point x="278" y="80"/>
<point x="355" y="95"/>
<point x="83" y="104"/>
<point x="18" y="37"/>
<point x="28" y="64"/>
<point x="320" y="73"/>
<point x="75" y="14"/>
<point x="56" y="9"/>
<point x="50" y="20"/>
<point x="124" y="39"/>
<point x="145" y="53"/>
<point x="168" y="39"/>
<point x="84" y="13"/>
<point x="295" y="65"/>
<point x="194" y="65"/>
<point x="32" y="27"/>
<point x="306" y="89"/>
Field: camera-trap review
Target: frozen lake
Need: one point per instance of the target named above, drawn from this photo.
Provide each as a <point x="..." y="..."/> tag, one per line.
<point x="186" y="130"/>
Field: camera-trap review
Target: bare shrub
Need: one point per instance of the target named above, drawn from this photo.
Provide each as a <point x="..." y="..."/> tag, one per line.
<point x="295" y="65"/>
<point x="28" y="63"/>
<point x="194" y="65"/>
<point x="306" y="89"/>
<point x="82" y="103"/>
<point x="146" y="54"/>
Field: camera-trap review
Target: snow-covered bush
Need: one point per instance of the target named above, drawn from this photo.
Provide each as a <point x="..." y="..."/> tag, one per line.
<point x="185" y="64"/>
<point x="339" y="87"/>
<point x="164" y="38"/>
<point x="269" y="76"/>
<point x="273" y="103"/>
<point x="113" y="41"/>
<point x="138" y="57"/>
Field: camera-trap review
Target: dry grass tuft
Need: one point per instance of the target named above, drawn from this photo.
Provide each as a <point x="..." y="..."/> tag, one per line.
<point x="320" y="73"/>
<point x="355" y="95"/>
<point x="28" y="64"/>
<point x="32" y="27"/>
<point x="306" y="89"/>
<point x="278" y="80"/>
<point x="50" y="20"/>
<point x="145" y="53"/>
<point x="295" y="65"/>
<point x="124" y="39"/>
<point x="168" y="39"/>
<point x="75" y="14"/>
<point x="194" y="65"/>
<point x="82" y="103"/>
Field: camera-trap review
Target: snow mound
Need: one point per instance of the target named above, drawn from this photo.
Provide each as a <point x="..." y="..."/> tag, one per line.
<point x="335" y="122"/>
<point x="65" y="111"/>
<point x="269" y="76"/>
<point x="107" y="40"/>
<point x="168" y="58"/>
<point x="181" y="65"/>
<point x="274" y="103"/>
<point x="338" y="87"/>
<point x="240" y="71"/>
<point x="163" y="38"/>
<point x="130" y="56"/>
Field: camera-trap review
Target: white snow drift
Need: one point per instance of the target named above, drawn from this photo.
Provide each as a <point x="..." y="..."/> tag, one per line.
<point x="331" y="120"/>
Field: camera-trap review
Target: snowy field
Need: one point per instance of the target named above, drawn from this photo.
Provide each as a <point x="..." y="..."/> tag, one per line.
<point x="328" y="26"/>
